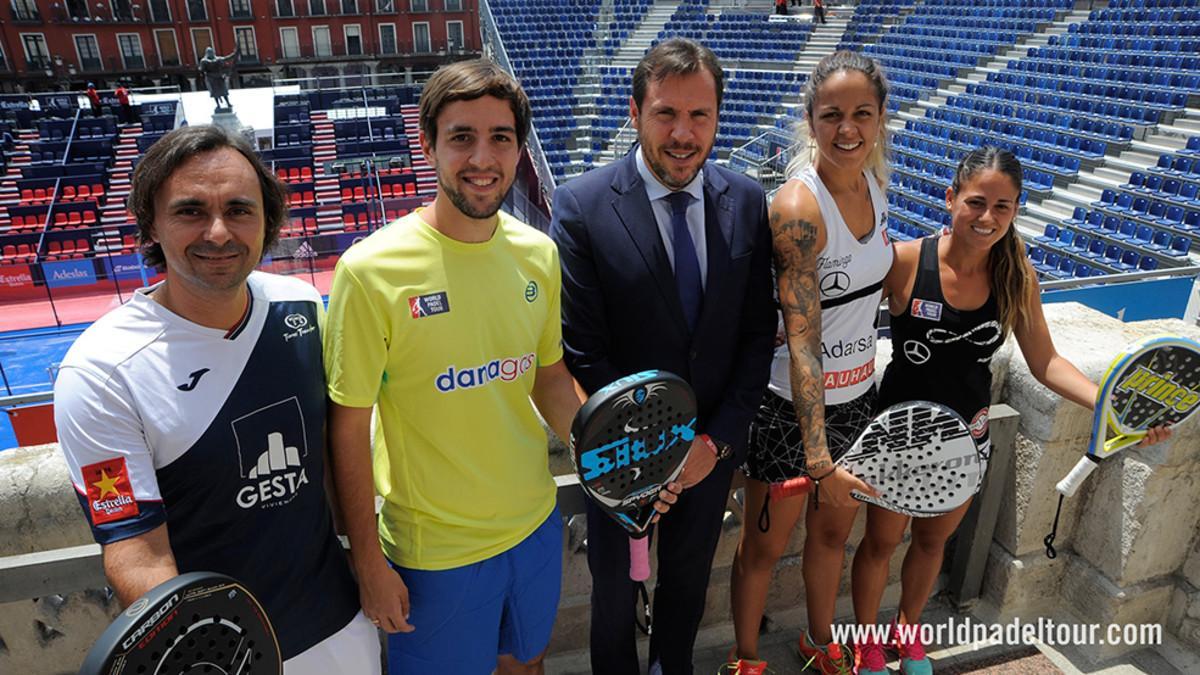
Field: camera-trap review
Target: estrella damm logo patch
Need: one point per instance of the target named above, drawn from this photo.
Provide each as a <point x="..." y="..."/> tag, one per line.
<point x="531" y="291"/>
<point x="109" y="492"/>
<point x="1161" y="389"/>
<point x="428" y="304"/>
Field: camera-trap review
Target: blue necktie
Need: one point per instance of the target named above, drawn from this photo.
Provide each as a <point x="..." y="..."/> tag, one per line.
<point x="687" y="266"/>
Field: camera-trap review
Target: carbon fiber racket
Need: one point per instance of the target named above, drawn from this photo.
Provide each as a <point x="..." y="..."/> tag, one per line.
<point x="1153" y="382"/>
<point x="627" y="442"/>
<point x="919" y="455"/>
<point x="200" y="622"/>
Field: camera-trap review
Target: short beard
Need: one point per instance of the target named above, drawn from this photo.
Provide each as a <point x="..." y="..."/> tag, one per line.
<point x="664" y="176"/>
<point x="460" y="202"/>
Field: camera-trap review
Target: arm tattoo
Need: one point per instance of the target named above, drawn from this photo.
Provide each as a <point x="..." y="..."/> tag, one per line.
<point x="795" y="245"/>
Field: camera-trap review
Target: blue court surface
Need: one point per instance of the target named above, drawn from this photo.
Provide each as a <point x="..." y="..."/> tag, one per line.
<point x="28" y="359"/>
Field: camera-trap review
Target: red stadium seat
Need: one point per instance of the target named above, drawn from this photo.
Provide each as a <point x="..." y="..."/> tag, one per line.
<point x="39" y="194"/>
<point x="84" y="192"/>
<point x="10" y="251"/>
<point x="68" y="247"/>
<point x="306" y="173"/>
<point x="97" y="191"/>
<point x="26" y="195"/>
<point x="60" y="219"/>
<point x="282" y="173"/>
<point x="82" y="246"/>
<point x="75" y="218"/>
<point x="293" y="174"/>
<point x="89" y="218"/>
<point x="359" y="193"/>
<point x="68" y="192"/>
<point x="347" y="194"/>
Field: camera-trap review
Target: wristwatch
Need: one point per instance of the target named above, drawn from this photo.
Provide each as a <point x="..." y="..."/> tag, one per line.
<point x="721" y="449"/>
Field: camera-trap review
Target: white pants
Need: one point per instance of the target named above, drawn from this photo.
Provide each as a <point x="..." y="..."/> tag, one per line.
<point x="353" y="650"/>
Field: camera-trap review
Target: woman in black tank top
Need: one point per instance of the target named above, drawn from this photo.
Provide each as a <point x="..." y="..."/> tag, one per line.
<point x="954" y="300"/>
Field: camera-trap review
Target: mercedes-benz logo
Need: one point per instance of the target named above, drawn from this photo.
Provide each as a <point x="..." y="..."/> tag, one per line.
<point x="835" y="283"/>
<point x="916" y="352"/>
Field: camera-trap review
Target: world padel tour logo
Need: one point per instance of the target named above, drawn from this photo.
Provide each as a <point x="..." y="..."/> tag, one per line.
<point x="109" y="492"/>
<point x="1160" y="388"/>
<point x="428" y="304"/>
<point x="505" y="370"/>
<point x="926" y="309"/>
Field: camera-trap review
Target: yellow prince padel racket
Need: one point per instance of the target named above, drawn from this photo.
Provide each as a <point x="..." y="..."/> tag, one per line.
<point x="1153" y="382"/>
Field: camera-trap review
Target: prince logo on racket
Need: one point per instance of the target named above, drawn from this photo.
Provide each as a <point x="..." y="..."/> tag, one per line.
<point x="1161" y="389"/>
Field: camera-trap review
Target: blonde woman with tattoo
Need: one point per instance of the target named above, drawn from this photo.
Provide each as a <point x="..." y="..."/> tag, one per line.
<point x="831" y="256"/>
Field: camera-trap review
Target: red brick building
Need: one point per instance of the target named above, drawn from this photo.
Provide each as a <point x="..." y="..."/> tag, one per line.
<point x="62" y="44"/>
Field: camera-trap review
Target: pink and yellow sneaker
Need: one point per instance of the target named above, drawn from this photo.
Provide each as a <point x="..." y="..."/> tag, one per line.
<point x="832" y="659"/>
<point x="744" y="667"/>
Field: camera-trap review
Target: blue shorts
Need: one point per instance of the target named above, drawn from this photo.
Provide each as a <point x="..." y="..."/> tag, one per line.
<point x="467" y="616"/>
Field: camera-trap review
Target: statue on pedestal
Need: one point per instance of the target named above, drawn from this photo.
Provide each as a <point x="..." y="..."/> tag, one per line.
<point x="217" y="70"/>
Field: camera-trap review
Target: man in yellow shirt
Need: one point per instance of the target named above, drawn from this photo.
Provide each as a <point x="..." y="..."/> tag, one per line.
<point x="447" y="321"/>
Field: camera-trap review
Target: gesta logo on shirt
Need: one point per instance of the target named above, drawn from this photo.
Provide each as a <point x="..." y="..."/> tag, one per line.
<point x="109" y="492"/>
<point x="505" y="370"/>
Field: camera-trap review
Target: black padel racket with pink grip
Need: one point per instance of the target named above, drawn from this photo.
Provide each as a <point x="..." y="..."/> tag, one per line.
<point x="627" y="442"/>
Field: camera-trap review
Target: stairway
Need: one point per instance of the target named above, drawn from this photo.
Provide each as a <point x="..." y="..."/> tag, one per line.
<point x="426" y="175"/>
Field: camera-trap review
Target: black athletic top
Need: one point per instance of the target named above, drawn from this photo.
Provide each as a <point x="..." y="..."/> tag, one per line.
<point x="940" y="353"/>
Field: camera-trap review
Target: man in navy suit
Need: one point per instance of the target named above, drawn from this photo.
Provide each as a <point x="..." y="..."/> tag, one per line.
<point x="666" y="265"/>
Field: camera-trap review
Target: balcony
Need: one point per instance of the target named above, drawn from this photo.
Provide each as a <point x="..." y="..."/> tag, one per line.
<point x="91" y="65"/>
<point x="25" y="14"/>
<point x="370" y="51"/>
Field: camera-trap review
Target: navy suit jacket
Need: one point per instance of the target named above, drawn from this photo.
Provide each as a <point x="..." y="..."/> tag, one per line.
<point x="621" y="308"/>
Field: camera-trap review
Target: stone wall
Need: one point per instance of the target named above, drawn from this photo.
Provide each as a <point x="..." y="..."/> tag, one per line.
<point x="1128" y="544"/>
<point x="1127" y="541"/>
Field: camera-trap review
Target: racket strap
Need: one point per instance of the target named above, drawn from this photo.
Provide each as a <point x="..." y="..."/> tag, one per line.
<point x="1049" y="540"/>
<point x="816" y="482"/>
<point x="645" y="621"/>
<point x="764" y="516"/>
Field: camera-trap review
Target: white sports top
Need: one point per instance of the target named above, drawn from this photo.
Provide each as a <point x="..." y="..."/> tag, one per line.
<point x="850" y="277"/>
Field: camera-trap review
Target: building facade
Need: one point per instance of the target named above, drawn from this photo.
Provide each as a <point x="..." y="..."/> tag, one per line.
<point x="63" y="44"/>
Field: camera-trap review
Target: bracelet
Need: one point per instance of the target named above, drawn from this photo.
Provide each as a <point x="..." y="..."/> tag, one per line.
<point x="712" y="445"/>
<point x="827" y="474"/>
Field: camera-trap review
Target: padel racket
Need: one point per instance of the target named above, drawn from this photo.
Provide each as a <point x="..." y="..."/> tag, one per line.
<point x="1153" y="382"/>
<point x="200" y="622"/>
<point x="627" y="442"/>
<point x="920" y="456"/>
